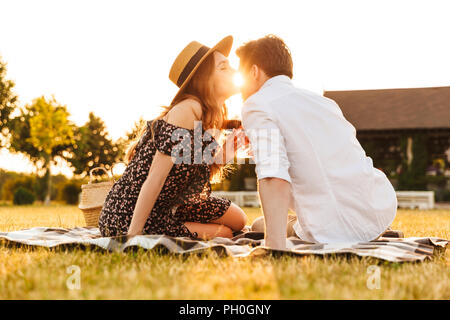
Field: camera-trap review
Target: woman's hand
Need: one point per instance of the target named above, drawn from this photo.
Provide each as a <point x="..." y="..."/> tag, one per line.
<point x="134" y="233"/>
<point x="229" y="148"/>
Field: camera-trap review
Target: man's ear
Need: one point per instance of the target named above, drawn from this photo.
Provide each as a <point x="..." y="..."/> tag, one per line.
<point x="254" y="71"/>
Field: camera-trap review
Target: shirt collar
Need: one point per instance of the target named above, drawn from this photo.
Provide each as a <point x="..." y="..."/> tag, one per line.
<point x="280" y="78"/>
<point x="277" y="79"/>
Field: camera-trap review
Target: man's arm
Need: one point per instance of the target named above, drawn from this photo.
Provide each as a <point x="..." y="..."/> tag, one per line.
<point x="274" y="194"/>
<point x="272" y="166"/>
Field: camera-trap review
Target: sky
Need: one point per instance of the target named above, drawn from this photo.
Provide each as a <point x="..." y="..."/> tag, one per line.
<point x="113" y="57"/>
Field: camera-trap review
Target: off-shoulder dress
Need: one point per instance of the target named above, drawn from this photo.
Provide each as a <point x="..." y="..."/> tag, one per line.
<point x="186" y="193"/>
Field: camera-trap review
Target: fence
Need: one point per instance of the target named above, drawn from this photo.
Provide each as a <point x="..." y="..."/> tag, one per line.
<point x="241" y="198"/>
<point x="423" y="200"/>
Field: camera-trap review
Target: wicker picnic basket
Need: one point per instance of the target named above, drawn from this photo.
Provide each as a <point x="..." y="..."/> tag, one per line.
<point x="93" y="197"/>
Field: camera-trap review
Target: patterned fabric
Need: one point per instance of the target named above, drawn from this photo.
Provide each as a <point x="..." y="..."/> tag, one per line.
<point x="244" y="243"/>
<point x="186" y="193"/>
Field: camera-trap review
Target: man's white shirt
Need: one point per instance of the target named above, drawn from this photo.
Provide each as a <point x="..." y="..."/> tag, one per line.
<point x="303" y="138"/>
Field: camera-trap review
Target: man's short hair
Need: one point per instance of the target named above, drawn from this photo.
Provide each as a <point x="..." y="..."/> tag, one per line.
<point x="269" y="53"/>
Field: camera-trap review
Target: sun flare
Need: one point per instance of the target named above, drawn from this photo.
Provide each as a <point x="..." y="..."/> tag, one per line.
<point x="234" y="105"/>
<point x="238" y="80"/>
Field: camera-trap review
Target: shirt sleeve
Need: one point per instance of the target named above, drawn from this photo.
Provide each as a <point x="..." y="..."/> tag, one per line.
<point x="266" y="141"/>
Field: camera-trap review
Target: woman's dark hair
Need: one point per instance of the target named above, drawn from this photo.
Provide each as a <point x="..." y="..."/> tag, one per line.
<point x="213" y="116"/>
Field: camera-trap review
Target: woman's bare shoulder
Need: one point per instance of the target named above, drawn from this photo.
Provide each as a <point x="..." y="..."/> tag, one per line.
<point x="194" y="105"/>
<point x="184" y="113"/>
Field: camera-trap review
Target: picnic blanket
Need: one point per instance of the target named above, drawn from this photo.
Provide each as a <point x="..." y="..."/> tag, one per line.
<point x="390" y="247"/>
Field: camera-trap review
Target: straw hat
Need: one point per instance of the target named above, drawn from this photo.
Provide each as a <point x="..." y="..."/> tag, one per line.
<point x="188" y="61"/>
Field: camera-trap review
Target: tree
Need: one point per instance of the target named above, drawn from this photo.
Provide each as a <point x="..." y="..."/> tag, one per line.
<point x="93" y="147"/>
<point x="131" y="136"/>
<point x="21" y="134"/>
<point x="49" y="128"/>
<point x="137" y="127"/>
<point x="7" y="101"/>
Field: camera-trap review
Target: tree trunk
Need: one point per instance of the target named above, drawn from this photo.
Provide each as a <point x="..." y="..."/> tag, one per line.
<point x="49" y="181"/>
<point x="409" y="151"/>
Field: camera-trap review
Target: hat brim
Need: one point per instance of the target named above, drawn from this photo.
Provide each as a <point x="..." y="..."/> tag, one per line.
<point x="223" y="46"/>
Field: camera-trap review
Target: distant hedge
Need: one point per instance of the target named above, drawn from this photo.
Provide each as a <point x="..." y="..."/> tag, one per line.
<point x="23" y="196"/>
<point x="70" y="192"/>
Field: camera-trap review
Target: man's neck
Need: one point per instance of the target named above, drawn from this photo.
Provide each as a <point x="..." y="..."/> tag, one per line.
<point x="264" y="79"/>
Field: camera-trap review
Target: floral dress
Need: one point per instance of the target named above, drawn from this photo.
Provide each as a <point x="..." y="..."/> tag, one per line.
<point x="186" y="193"/>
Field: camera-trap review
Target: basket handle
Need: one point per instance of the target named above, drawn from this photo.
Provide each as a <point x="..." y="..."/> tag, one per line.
<point x="90" y="173"/>
<point x="112" y="173"/>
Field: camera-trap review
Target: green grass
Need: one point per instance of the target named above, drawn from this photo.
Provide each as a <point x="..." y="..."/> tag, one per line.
<point x="42" y="273"/>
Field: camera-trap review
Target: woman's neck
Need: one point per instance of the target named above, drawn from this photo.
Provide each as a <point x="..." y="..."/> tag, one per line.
<point x="220" y="102"/>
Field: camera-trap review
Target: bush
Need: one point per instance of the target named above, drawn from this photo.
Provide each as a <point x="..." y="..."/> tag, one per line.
<point x="70" y="192"/>
<point x="446" y="196"/>
<point x="11" y="185"/>
<point x="23" y="196"/>
<point x="6" y="176"/>
<point x="413" y="176"/>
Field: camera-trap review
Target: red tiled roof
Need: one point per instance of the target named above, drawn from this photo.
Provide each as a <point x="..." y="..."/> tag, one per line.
<point x="395" y="108"/>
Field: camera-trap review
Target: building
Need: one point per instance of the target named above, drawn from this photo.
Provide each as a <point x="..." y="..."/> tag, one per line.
<point x="388" y="120"/>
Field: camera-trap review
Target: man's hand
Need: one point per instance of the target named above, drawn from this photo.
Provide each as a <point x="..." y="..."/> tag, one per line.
<point x="275" y="196"/>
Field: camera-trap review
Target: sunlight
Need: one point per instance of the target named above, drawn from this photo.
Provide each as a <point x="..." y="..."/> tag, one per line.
<point x="234" y="105"/>
<point x="119" y="168"/>
<point x="238" y="80"/>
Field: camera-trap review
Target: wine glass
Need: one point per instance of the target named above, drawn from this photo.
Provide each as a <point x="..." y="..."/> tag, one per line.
<point x="241" y="142"/>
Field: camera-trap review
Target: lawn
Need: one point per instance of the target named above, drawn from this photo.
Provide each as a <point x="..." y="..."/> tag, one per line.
<point x="42" y="273"/>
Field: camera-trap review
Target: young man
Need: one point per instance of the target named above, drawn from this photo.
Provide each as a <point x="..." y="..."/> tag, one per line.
<point x="307" y="156"/>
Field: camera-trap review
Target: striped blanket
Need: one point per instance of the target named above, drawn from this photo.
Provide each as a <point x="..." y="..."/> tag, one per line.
<point x="390" y="247"/>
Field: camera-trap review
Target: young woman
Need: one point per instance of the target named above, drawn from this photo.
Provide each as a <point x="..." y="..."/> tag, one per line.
<point x="156" y="195"/>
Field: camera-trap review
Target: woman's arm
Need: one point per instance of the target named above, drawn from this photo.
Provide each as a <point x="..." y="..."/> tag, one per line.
<point x="182" y="115"/>
<point x="151" y="188"/>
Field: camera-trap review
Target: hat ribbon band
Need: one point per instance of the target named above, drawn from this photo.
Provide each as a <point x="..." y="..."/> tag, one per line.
<point x="191" y="64"/>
